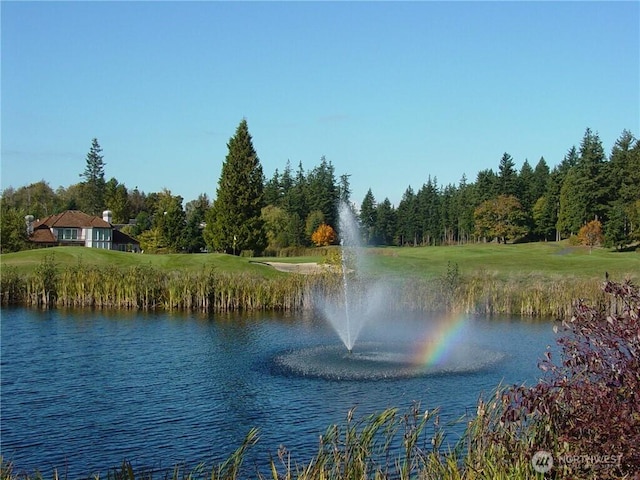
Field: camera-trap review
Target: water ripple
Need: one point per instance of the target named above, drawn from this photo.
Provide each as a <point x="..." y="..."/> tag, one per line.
<point x="82" y="391"/>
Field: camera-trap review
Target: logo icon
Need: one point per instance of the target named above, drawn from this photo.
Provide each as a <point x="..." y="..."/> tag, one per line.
<point x="542" y="461"/>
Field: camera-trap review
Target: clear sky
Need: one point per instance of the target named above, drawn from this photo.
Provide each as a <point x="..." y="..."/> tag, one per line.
<point x="389" y="92"/>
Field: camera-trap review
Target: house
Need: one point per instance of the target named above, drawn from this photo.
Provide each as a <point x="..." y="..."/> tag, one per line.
<point x="75" y="228"/>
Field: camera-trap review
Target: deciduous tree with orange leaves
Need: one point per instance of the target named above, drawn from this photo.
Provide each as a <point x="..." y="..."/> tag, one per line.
<point x="324" y="235"/>
<point x="591" y="234"/>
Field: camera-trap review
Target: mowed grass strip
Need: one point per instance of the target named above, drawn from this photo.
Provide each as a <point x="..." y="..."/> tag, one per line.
<point x="549" y="259"/>
<point x="544" y="259"/>
<point x="26" y="261"/>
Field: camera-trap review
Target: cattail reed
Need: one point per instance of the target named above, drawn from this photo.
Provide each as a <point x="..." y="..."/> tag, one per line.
<point x="209" y="290"/>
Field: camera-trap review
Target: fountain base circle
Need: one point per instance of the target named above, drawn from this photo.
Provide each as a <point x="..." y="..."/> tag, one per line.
<point x="376" y="361"/>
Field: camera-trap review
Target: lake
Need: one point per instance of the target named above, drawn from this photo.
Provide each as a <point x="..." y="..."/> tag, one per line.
<point x="83" y="390"/>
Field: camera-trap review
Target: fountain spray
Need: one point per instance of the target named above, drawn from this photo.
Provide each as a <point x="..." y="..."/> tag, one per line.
<point x="345" y="287"/>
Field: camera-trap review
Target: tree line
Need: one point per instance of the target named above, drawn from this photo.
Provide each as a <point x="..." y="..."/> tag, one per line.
<point x="253" y="214"/>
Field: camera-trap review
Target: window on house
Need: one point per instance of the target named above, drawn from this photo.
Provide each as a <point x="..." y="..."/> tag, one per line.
<point x="69" y="233"/>
<point x="101" y="234"/>
<point x="102" y="238"/>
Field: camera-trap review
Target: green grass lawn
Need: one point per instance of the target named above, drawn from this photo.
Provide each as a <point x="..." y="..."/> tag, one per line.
<point x="27" y="260"/>
<point x="543" y="259"/>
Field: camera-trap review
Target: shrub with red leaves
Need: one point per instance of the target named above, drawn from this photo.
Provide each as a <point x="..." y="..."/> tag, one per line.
<point x="586" y="411"/>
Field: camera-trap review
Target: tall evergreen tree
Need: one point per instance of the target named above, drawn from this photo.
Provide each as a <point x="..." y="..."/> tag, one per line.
<point x="368" y="217"/>
<point x="583" y="196"/>
<point x="344" y="189"/>
<point x="525" y="186"/>
<point x="273" y="190"/>
<point x="385" y="222"/>
<point x="322" y="193"/>
<point x="234" y="222"/>
<point x="428" y="213"/>
<point x="295" y="203"/>
<point x="507" y="176"/>
<point x="624" y="178"/>
<point x="540" y="179"/>
<point x="286" y="185"/>
<point x="486" y="186"/>
<point x="625" y="167"/>
<point x="407" y="218"/>
<point x="551" y="206"/>
<point x="465" y="209"/>
<point x="93" y="185"/>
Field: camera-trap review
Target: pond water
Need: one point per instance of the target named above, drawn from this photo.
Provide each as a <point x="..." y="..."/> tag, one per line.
<point x="83" y="390"/>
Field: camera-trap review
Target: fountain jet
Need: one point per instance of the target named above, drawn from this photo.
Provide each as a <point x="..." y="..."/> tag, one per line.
<point x="348" y="315"/>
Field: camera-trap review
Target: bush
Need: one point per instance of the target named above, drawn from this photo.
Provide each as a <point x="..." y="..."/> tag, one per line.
<point x="586" y="411"/>
<point x="324" y="235"/>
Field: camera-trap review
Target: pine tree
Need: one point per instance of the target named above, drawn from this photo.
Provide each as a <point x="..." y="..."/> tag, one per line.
<point x="540" y="179"/>
<point x="385" y="222"/>
<point x="552" y="212"/>
<point x="486" y="186"/>
<point x="368" y="217"/>
<point x="344" y="189"/>
<point x="273" y="190"/>
<point x="507" y="176"/>
<point x="464" y="208"/>
<point x="525" y="192"/>
<point x="234" y="222"/>
<point x="407" y="218"/>
<point x="322" y="193"/>
<point x="428" y="213"/>
<point x="93" y="187"/>
<point x="624" y="184"/>
<point x="449" y="214"/>
<point x="297" y="204"/>
<point x="584" y="195"/>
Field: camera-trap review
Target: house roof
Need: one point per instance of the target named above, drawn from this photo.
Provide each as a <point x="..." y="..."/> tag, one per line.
<point x="72" y="219"/>
<point x="122" y="238"/>
<point x="42" y="235"/>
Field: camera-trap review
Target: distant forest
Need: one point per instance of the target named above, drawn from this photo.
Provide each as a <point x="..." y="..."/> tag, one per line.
<point x="588" y="197"/>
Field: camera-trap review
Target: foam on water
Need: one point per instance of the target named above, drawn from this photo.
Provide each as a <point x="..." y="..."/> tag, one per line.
<point x="377" y="361"/>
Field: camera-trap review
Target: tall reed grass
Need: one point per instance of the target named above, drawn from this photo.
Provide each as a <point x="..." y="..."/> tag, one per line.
<point x="146" y="287"/>
<point x="209" y="290"/>
<point x="381" y="446"/>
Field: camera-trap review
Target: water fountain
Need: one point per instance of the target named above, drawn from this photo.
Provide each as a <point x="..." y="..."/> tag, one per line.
<point x="348" y="319"/>
<point x="403" y="348"/>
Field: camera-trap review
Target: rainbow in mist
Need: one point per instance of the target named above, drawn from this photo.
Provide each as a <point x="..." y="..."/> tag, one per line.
<point x="440" y="341"/>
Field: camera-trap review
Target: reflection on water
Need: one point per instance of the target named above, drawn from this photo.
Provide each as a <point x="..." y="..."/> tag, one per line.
<point x="82" y="390"/>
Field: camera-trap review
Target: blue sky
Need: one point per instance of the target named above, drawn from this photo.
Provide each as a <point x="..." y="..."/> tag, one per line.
<point x="389" y="92"/>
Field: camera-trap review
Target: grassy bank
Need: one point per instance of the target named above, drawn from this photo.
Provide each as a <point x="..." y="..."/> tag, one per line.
<point x="533" y="279"/>
<point x="550" y="259"/>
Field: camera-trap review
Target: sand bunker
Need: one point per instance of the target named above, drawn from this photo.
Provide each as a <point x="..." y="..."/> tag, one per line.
<point x="303" y="268"/>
